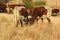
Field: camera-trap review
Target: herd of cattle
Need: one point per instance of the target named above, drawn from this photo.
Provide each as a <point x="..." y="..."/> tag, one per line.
<point x="22" y="14"/>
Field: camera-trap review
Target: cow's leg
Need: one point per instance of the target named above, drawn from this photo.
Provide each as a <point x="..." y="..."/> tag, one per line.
<point x="17" y="23"/>
<point x="37" y="19"/>
<point x="32" y="20"/>
<point x="27" y="20"/>
<point x="21" y="23"/>
<point x="42" y="20"/>
<point x="48" y="20"/>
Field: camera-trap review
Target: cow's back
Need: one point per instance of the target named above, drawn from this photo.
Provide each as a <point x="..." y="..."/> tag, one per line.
<point x="40" y="11"/>
<point x="24" y="12"/>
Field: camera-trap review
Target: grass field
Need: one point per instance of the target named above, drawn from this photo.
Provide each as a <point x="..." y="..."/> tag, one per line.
<point x="38" y="31"/>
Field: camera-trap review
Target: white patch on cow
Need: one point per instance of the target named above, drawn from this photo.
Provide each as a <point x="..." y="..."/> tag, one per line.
<point x="49" y="11"/>
<point x="7" y="9"/>
<point x="16" y="13"/>
<point x="20" y="7"/>
<point x="29" y="17"/>
<point x="44" y="16"/>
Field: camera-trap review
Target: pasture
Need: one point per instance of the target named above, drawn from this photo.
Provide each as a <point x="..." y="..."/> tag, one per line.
<point x="38" y="31"/>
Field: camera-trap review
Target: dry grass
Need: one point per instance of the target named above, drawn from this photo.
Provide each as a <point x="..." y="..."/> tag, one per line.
<point x="38" y="31"/>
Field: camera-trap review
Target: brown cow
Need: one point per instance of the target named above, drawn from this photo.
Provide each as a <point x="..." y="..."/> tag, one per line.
<point x="11" y="7"/>
<point x="38" y="11"/>
<point x="55" y="11"/>
<point x="21" y="14"/>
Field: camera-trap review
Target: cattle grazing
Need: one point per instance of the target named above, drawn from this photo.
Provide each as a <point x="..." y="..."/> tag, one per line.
<point x="38" y="12"/>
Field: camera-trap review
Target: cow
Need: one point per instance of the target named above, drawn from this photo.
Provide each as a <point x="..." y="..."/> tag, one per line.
<point x="24" y="13"/>
<point x="3" y="8"/>
<point x="21" y="15"/>
<point x="55" y="11"/>
<point x="11" y="7"/>
<point x="38" y="12"/>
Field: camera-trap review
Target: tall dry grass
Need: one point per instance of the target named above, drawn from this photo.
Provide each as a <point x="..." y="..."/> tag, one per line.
<point x="38" y="31"/>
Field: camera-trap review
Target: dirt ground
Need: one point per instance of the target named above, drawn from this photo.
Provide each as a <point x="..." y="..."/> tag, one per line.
<point x="38" y="31"/>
